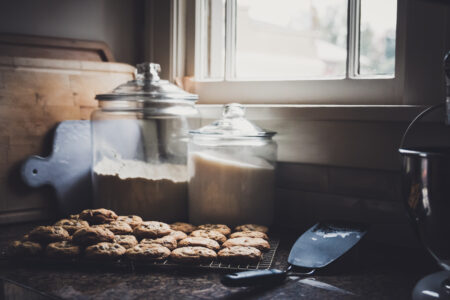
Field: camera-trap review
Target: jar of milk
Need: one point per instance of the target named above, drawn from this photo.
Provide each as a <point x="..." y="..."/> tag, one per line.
<point x="231" y="168"/>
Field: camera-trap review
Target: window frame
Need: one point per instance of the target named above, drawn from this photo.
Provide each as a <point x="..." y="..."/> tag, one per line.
<point x="353" y="89"/>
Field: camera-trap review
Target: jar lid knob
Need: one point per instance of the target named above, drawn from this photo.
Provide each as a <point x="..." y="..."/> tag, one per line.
<point x="148" y="71"/>
<point x="233" y="110"/>
<point x="233" y="125"/>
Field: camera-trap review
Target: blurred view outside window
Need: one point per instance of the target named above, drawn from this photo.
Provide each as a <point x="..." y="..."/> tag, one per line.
<point x="296" y="39"/>
<point x="377" y="37"/>
<point x="291" y="38"/>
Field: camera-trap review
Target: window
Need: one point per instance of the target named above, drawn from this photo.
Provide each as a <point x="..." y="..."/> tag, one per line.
<point x="377" y="37"/>
<point x="290" y="39"/>
<point x="290" y="51"/>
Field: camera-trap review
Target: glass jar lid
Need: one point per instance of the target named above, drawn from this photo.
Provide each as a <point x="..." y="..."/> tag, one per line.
<point x="147" y="85"/>
<point x="233" y="124"/>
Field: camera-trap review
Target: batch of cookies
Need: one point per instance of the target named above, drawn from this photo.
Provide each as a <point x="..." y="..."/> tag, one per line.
<point x="101" y="234"/>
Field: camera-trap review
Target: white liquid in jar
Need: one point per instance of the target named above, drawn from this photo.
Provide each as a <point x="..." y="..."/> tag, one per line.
<point x="224" y="190"/>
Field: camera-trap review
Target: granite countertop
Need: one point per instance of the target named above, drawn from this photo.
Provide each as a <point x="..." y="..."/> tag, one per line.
<point x="370" y="271"/>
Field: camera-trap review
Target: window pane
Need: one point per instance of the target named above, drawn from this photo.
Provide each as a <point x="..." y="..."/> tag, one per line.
<point x="212" y="64"/>
<point x="377" y="37"/>
<point x="291" y="38"/>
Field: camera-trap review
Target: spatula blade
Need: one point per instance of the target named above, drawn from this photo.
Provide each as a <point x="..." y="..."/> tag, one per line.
<point x="324" y="243"/>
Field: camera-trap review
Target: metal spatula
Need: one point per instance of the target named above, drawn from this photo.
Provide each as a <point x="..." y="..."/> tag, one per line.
<point x="316" y="248"/>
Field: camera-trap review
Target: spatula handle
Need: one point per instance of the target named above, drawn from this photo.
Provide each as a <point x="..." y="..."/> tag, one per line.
<point x="252" y="278"/>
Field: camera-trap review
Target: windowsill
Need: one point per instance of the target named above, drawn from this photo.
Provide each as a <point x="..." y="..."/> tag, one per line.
<point x="321" y="92"/>
<point x="294" y="79"/>
<point x="382" y="113"/>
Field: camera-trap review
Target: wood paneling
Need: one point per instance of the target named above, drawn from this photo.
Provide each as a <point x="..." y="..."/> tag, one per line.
<point x="36" y="94"/>
<point x="55" y="48"/>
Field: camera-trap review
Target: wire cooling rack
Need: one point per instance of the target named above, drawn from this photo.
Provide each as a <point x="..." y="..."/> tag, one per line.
<point x="264" y="263"/>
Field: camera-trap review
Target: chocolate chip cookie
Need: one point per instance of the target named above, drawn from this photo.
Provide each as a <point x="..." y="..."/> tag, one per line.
<point x="223" y="229"/>
<point x="74" y="217"/>
<point x="257" y="243"/>
<point x="252" y="227"/>
<point x="131" y="220"/>
<point x="167" y="241"/>
<point x="193" y="255"/>
<point x="151" y="230"/>
<point x="178" y="235"/>
<point x="210" y="234"/>
<point x="92" y="235"/>
<point x="240" y="255"/>
<point x="24" y="248"/>
<point x="181" y="226"/>
<point x="48" y="234"/>
<point x="105" y="251"/>
<point x="200" y="242"/>
<point x="251" y="234"/>
<point x="117" y="227"/>
<point x="98" y="216"/>
<point x="72" y="225"/>
<point x="62" y="249"/>
<point x="127" y="241"/>
<point x="148" y="252"/>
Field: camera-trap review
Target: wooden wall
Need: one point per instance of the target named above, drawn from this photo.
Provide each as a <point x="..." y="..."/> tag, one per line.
<point x="36" y="94"/>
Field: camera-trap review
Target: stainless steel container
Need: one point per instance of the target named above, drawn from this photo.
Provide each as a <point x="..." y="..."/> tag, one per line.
<point x="426" y="192"/>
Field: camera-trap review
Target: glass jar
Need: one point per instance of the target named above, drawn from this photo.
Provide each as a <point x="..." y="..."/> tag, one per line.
<point x="231" y="165"/>
<point x="139" y="138"/>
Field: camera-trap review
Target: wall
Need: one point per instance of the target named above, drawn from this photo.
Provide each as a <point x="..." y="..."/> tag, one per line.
<point x="118" y="23"/>
<point x="342" y="163"/>
<point x="427" y="41"/>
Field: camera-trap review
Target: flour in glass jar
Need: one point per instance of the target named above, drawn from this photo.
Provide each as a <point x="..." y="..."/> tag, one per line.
<point x="155" y="192"/>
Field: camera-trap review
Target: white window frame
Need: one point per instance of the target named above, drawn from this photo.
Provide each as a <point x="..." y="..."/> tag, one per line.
<point x="352" y="89"/>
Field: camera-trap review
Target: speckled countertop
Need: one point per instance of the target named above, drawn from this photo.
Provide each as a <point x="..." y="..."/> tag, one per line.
<point x="371" y="271"/>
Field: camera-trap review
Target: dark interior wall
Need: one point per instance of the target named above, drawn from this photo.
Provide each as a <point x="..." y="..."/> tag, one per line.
<point x="427" y="41"/>
<point x="118" y="23"/>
